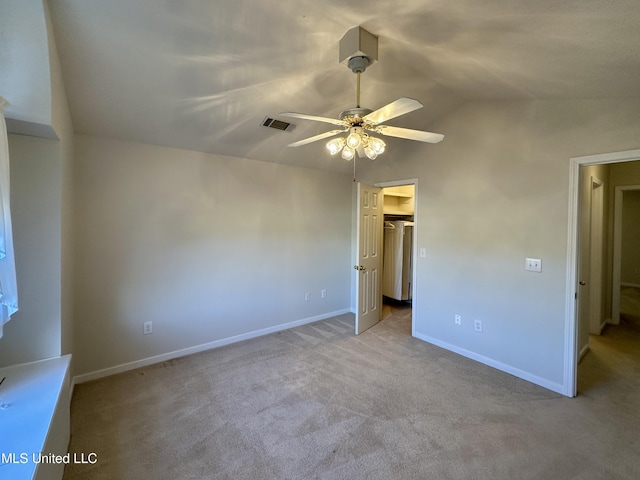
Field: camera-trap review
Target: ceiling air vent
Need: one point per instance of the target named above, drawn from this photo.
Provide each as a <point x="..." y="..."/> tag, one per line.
<point x="278" y="124"/>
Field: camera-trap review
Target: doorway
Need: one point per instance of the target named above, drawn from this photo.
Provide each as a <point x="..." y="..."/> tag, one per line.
<point x="369" y="309"/>
<point x="399" y="251"/>
<point x="574" y="284"/>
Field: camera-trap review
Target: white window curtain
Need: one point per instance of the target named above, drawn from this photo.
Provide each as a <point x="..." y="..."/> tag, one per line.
<point x="8" y="287"/>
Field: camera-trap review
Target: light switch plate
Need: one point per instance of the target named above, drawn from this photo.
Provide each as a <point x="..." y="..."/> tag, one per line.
<point x="533" y="265"/>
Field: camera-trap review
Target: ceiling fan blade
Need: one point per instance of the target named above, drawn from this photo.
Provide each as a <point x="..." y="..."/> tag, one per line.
<point x="401" y="106"/>
<point x="409" y="134"/>
<point x="299" y="143"/>
<point x="304" y="116"/>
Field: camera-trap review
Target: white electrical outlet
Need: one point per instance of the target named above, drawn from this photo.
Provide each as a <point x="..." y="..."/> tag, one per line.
<point x="477" y="325"/>
<point x="457" y="319"/>
<point x="147" y="328"/>
<point x="306" y="296"/>
<point x="323" y="293"/>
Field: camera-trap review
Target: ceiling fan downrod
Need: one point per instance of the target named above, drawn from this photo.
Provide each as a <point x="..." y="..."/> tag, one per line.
<point x="358" y="65"/>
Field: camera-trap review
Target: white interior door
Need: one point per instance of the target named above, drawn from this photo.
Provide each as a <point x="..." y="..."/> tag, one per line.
<point x="369" y="254"/>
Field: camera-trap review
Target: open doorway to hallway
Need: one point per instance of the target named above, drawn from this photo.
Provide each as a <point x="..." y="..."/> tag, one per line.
<point x="604" y="282"/>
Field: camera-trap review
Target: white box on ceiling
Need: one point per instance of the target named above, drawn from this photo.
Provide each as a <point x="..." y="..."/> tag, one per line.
<point x="357" y="42"/>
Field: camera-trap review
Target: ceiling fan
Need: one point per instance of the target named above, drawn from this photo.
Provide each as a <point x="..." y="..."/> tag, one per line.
<point x="362" y="122"/>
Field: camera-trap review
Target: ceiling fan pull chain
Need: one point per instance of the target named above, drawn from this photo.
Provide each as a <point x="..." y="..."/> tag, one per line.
<point x="354" y="168"/>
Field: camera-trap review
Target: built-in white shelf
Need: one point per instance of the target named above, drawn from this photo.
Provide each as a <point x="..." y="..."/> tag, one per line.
<point x="392" y="211"/>
<point x="398" y="201"/>
<point x="398" y="194"/>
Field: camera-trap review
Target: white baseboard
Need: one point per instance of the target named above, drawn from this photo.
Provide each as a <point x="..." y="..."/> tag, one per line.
<point x="86" y="377"/>
<point x="516" y="372"/>
<point x="583" y="352"/>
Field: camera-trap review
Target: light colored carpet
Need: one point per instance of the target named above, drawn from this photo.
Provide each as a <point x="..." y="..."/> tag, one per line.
<point x="317" y="402"/>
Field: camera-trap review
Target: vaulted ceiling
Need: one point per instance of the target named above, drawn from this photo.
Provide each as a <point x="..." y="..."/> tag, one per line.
<point x="202" y="75"/>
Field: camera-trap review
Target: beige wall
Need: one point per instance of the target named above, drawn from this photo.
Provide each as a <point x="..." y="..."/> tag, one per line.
<point x="34" y="332"/>
<point x="624" y="174"/>
<point x="204" y="246"/>
<point x="630" y="263"/>
<point x="492" y="193"/>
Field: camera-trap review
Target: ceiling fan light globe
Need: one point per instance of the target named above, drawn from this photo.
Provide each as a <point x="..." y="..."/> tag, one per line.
<point x="377" y="145"/>
<point x="335" y="145"/>
<point x="354" y="140"/>
<point x="370" y="153"/>
<point x="348" y="153"/>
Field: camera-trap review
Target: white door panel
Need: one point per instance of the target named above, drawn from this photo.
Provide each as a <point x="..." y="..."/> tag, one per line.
<point x="370" y="219"/>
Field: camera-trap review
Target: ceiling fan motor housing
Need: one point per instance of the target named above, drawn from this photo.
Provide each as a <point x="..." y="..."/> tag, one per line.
<point x="358" y="49"/>
<point x="354" y="115"/>
<point x="359" y="64"/>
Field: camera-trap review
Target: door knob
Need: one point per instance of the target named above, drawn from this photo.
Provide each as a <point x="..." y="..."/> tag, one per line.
<point x="583" y="283"/>
<point x="359" y="267"/>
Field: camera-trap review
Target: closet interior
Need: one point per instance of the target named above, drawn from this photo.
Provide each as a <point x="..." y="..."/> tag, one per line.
<point x="397" y="273"/>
